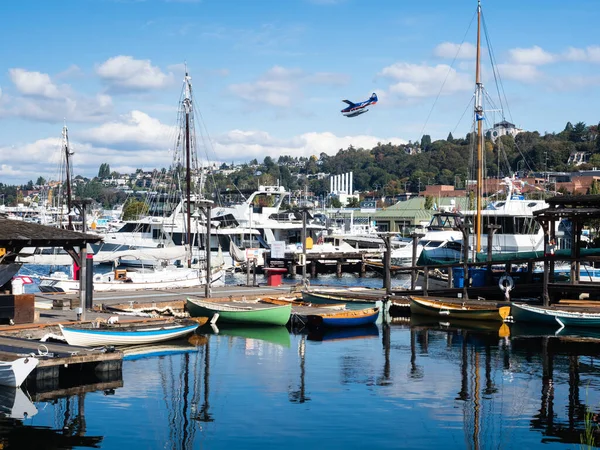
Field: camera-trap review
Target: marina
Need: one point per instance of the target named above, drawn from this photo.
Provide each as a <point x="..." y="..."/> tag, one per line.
<point x="296" y="275"/>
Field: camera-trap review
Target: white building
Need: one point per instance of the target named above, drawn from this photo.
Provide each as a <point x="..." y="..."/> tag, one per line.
<point x="503" y="128"/>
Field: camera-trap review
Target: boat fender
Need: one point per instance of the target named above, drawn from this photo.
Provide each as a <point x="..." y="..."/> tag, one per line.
<point x="98" y="277"/>
<point x="506" y="283"/>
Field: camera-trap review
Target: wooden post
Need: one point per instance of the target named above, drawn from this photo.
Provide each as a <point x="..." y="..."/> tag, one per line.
<point x="363" y="268"/>
<point x="338" y="268"/>
<point x="247" y="271"/>
<point x="207" y="288"/>
<point x="578" y="253"/>
<point x="450" y="275"/>
<point x="552" y="231"/>
<point x="293" y="268"/>
<point x="387" y="262"/>
<point x="530" y="272"/>
<point x="313" y="268"/>
<point x="413" y="273"/>
<point x="490" y="241"/>
<point x="304" y="246"/>
<point x="82" y="281"/>
<point x="573" y="251"/>
<point x="426" y="283"/>
<point x="545" y="295"/>
<point x="465" y="232"/>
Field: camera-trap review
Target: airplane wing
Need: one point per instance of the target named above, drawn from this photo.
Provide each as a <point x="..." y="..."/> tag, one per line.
<point x="349" y="102"/>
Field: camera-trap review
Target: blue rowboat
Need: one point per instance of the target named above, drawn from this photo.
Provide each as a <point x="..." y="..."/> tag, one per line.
<point x="126" y="334"/>
<point x="565" y="316"/>
<point x="533" y="314"/>
<point x="349" y="318"/>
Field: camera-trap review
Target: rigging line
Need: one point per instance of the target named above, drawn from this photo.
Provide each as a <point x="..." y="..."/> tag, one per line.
<point x="469" y="106"/>
<point x="447" y="74"/>
<point x="497" y="78"/>
<point x="492" y="62"/>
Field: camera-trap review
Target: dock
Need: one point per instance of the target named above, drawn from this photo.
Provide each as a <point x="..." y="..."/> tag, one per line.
<point x="56" y="359"/>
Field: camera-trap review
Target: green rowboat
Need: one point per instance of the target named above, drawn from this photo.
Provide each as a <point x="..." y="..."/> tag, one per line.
<point x="239" y="312"/>
<point x="449" y="308"/>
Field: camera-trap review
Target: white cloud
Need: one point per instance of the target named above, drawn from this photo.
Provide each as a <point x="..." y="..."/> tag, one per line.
<point x="414" y="80"/>
<point x="531" y="56"/>
<point x="526" y="73"/>
<point x="134" y="130"/>
<point x="39" y="98"/>
<point x="126" y="73"/>
<point x="588" y="54"/>
<point x="240" y="145"/>
<point x="140" y="141"/>
<point x="34" y="83"/>
<point x="280" y="86"/>
<point x="450" y="50"/>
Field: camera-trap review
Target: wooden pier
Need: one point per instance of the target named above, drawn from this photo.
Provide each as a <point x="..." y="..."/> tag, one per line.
<point x="55" y="358"/>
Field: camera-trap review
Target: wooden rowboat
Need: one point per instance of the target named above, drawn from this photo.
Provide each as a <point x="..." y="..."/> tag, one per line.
<point x="565" y="316"/>
<point x="125" y="334"/>
<point x="350" y="318"/>
<point x="450" y="308"/>
<point x="240" y="312"/>
<point x="295" y="302"/>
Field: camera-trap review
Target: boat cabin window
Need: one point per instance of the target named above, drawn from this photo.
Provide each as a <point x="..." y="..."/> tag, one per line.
<point x="512" y="224"/>
<point x="454" y="245"/>
<point x="442" y="221"/>
<point x="433" y="244"/>
<point x="135" y="227"/>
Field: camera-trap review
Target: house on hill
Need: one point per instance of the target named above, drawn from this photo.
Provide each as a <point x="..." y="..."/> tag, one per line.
<point x="503" y="128"/>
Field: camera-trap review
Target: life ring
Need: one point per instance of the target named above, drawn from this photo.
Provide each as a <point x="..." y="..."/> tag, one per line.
<point x="98" y="277"/>
<point x="506" y="283"/>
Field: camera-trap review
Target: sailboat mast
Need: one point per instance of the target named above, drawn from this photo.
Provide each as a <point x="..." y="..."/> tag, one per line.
<point x="188" y="163"/>
<point x="479" y="122"/>
<point x="68" y="175"/>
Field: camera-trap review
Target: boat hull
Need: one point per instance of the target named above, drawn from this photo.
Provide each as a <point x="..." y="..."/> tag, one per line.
<point x="15" y="372"/>
<point x="450" y="309"/>
<point x="343" y="319"/>
<point x="276" y="315"/>
<point x="532" y="314"/>
<point x="50" y="284"/>
<point x="328" y="299"/>
<point x="90" y="337"/>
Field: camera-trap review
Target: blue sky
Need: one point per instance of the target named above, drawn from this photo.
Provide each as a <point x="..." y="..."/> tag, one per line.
<point x="269" y="75"/>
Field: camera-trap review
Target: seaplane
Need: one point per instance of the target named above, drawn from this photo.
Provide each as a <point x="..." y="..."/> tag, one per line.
<point x="356" y="109"/>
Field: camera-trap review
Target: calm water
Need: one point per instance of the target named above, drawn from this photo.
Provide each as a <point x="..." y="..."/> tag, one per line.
<point x="402" y="385"/>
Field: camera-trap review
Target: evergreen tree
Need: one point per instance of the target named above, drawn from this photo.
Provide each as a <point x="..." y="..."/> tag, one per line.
<point x="425" y="142"/>
<point x="450" y="138"/>
<point x="104" y="171"/>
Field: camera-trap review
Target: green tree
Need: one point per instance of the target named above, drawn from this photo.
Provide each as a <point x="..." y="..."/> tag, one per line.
<point x="134" y="209"/>
<point x="335" y="202"/>
<point x="40" y="181"/>
<point x="594" y="188"/>
<point x="450" y="138"/>
<point x="425" y="142"/>
<point x="353" y="203"/>
<point x="104" y="171"/>
<point x="428" y="202"/>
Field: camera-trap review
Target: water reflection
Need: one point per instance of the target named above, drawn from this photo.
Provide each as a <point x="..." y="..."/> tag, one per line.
<point x="477" y="386"/>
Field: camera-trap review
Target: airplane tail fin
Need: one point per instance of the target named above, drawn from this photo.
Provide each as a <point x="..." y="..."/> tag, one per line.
<point x="374" y="97"/>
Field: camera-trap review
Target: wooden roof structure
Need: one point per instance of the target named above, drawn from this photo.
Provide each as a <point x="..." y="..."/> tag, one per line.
<point x="575" y="207"/>
<point x="16" y="234"/>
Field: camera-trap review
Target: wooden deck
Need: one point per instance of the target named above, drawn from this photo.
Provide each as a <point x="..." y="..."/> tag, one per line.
<point x="55" y="358"/>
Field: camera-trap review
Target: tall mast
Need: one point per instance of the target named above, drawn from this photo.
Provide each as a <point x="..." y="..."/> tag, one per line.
<point x="68" y="154"/>
<point x="187" y="104"/>
<point x="479" y="122"/>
